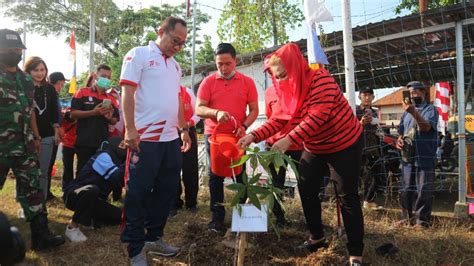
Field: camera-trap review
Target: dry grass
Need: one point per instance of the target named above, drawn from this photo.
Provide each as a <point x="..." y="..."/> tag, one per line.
<point x="447" y="242"/>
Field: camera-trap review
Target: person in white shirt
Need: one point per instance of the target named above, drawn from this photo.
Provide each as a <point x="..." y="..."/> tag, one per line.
<point x="153" y="116"/>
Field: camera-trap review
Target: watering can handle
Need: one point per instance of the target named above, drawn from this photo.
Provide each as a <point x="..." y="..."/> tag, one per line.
<point x="235" y="122"/>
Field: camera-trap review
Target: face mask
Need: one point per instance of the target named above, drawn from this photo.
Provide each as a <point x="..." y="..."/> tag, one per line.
<point x="417" y="100"/>
<point x="284" y="85"/>
<point x="103" y="83"/>
<point x="10" y="59"/>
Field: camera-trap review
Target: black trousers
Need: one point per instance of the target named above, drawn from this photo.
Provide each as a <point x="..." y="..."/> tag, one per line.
<point x="68" y="165"/>
<point x="279" y="181"/>
<point x="83" y="155"/>
<point x="189" y="175"/>
<point x="346" y="165"/>
<point x="51" y="165"/>
<point x="373" y="174"/>
<point x="89" y="209"/>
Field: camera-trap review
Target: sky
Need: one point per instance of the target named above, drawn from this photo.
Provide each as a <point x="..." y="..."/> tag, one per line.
<point x="55" y="51"/>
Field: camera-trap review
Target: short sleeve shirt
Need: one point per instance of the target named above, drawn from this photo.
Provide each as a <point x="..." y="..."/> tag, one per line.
<point x="93" y="130"/>
<point x="425" y="142"/>
<point x="231" y="96"/>
<point x="156" y="78"/>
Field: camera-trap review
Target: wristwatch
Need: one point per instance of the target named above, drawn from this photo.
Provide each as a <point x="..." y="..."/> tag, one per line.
<point x="181" y="129"/>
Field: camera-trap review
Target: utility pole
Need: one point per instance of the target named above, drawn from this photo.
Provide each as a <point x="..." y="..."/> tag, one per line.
<point x="193" y="62"/>
<point x="460" y="207"/>
<point x="274" y="26"/>
<point x="24" y="42"/>
<point x="348" y="52"/>
<point x="91" y="38"/>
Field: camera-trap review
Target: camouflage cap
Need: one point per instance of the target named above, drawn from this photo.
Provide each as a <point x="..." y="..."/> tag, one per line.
<point x="10" y="39"/>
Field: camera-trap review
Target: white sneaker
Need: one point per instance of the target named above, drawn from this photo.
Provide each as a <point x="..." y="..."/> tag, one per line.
<point x="75" y="234"/>
<point x="370" y="205"/>
<point x="139" y="260"/>
<point x="21" y="213"/>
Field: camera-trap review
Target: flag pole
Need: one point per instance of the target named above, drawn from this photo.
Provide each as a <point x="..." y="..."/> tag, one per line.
<point x="348" y="52"/>
<point x="193" y="62"/>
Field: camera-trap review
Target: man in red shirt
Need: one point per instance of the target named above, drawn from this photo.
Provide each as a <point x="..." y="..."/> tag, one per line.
<point x="222" y="97"/>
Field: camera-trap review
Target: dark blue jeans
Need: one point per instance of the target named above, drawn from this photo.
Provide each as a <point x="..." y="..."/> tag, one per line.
<point x="151" y="191"/>
<point x="417" y="181"/>
<point x="216" y="188"/>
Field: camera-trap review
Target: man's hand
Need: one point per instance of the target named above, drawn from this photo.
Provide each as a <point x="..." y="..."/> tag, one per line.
<point x="101" y="110"/>
<point x="399" y="143"/>
<point x="410" y="108"/>
<point x="37" y="146"/>
<point x="186" y="141"/>
<point x="246" y="141"/>
<point x="282" y="145"/>
<point x="366" y="119"/>
<point x="222" y="116"/>
<point x="132" y="139"/>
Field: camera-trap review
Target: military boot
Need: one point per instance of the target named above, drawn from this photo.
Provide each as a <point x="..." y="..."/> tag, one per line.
<point x="41" y="237"/>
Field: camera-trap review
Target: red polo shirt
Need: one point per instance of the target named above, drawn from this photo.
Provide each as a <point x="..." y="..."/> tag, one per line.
<point x="231" y="95"/>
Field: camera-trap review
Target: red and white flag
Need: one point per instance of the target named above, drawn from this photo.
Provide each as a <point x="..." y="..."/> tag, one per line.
<point x="443" y="90"/>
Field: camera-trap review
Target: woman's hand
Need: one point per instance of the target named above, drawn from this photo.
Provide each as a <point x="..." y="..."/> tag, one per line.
<point x="282" y="145"/>
<point x="246" y="141"/>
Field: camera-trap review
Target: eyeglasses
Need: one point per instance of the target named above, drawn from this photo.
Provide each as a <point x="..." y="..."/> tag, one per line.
<point x="175" y="40"/>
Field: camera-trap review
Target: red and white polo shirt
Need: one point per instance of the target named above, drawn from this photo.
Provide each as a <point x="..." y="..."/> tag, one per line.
<point x="157" y="96"/>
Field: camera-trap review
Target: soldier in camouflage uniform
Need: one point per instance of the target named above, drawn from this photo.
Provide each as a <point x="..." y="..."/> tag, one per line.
<point x="18" y="139"/>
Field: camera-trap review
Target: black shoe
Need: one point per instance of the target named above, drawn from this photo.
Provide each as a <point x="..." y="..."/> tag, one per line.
<point x="313" y="247"/>
<point x="192" y="209"/>
<point x="217" y="227"/>
<point x="173" y="213"/>
<point x="41" y="237"/>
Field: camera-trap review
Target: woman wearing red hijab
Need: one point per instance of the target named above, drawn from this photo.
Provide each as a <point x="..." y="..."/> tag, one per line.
<point x="325" y="124"/>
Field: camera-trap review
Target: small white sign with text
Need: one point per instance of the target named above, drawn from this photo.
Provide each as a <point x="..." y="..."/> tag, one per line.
<point x="251" y="220"/>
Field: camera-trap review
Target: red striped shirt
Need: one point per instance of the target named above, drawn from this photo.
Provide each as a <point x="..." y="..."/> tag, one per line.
<point x="324" y="124"/>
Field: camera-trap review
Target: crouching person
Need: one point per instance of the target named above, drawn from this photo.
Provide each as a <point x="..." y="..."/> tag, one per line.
<point x="87" y="194"/>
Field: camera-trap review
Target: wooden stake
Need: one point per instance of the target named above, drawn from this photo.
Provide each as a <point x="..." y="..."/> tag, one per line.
<point x="242" y="246"/>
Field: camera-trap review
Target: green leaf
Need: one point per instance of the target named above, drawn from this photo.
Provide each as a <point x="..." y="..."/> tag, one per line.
<point x="235" y="187"/>
<point x="245" y="179"/>
<point x="255" y="178"/>
<point x="254" y="200"/>
<point x="236" y="199"/>
<point x="241" y="161"/>
<point x="254" y="162"/>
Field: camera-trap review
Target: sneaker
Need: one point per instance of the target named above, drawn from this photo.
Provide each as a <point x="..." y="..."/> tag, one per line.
<point x="139" y="260"/>
<point x="160" y="248"/>
<point x="75" y="234"/>
<point x="313" y="246"/>
<point x="356" y="263"/>
<point x="370" y="205"/>
<point x="192" y="209"/>
<point x="217" y="227"/>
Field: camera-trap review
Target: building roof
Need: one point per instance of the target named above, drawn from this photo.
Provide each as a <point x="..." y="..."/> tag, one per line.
<point x="395" y="98"/>
<point x="393" y="52"/>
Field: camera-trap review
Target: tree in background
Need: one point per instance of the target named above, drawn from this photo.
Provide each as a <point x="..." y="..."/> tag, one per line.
<point x="251" y="24"/>
<point x="414" y="5"/>
<point x="206" y="52"/>
<point x="117" y="31"/>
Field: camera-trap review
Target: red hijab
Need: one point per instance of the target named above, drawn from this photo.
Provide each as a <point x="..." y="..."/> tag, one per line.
<point x="293" y="91"/>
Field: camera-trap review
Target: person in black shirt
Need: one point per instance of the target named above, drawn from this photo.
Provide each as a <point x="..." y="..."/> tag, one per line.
<point x="47" y="117"/>
<point x="87" y="194"/>
<point x="372" y="170"/>
<point x="94" y="109"/>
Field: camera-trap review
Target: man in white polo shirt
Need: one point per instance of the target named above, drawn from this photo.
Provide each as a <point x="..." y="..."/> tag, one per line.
<point x="153" y="116"/>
